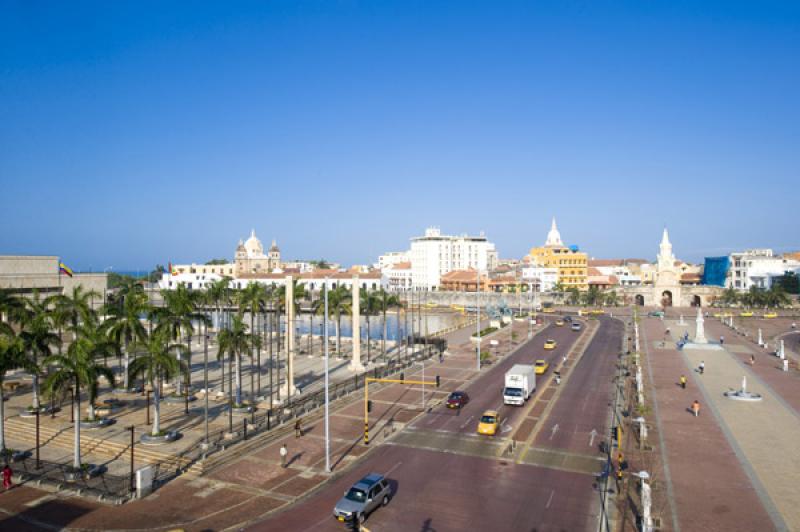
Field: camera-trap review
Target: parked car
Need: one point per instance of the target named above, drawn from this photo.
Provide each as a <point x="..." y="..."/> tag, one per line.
<point x="457" y="399"/>
<point x="550" y="344"/>
<point x="365" y="496"/>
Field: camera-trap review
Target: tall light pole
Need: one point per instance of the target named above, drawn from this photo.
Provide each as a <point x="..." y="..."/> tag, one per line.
<point x="327" y="427"/>
<point x="478" y="320"/>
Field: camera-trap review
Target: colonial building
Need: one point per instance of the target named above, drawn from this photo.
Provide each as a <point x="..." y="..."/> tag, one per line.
<point x="570" y="263"/>
<point x="670" y="282"/>
<point x="758" y="268"/>
<point x="249" y="258"/>
<point x="398" y="276"/>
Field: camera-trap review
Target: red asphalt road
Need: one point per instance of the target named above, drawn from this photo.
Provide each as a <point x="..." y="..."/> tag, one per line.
<point x="440" y="492"/>
<point x="585" y="400"/>
<point x="487" y="392"/>
<point x="444" y="491"/>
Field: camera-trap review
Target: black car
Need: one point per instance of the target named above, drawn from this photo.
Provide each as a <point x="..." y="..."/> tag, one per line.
<point x="457" y="399"/>
<point x="568" y="319"/>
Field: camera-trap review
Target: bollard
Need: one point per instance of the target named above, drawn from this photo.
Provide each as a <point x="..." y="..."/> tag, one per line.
<point x="269" y="419"/>
<point x="244" y="426"/>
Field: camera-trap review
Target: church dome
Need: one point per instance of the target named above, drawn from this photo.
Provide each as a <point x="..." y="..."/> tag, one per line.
<point x="274" y="246"/>
<point x="553" y="237"/>
<point x="253" y="246"/>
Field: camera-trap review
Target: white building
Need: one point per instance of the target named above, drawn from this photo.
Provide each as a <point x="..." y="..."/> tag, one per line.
<point x="313" y="281"/>
<point x="435" y="254"/>
<point x="619" y="268"/>
<point x="398" y="276"/>
<point x="390" y="259"/>
<point x="757" y="267"/>
<point x="542" y="279"/>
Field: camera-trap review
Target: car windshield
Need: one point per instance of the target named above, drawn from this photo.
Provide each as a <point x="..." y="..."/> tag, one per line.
<point x="356" y="495"/>
<point x="513" y="392"/>
<point x="455" y="396"/>
<point x="487" y="419"/>
<point x="540" y="364"/>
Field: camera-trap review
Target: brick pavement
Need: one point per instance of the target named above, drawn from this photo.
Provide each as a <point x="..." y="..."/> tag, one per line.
<point x="710" y="487"/>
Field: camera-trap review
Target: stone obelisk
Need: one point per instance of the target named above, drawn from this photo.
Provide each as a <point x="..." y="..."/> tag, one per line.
<point x="700" y="333"/>
<point x="355" y="364"/>
<point x="289" y="292"/>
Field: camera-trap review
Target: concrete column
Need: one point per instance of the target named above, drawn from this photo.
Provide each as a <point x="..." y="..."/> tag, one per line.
<point x="290" y="388"/>
<point x="355" y="364"/>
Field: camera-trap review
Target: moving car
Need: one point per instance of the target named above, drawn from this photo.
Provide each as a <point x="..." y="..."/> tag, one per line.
<point x="550" y="344"/>
<point x="559" y="322"/>
<point x="660" y="314"/>
<point x="541" y="366"/>
<point x="576" y="326"/>
<point x="549" y="310"/>
<point x="457" y="399"/>
<point x="365" y="496"/>
<point x="771" y="315"/>
<point x="597" y="312"/>
<point x="746" y="314"/>
<point x="488" y="423"/>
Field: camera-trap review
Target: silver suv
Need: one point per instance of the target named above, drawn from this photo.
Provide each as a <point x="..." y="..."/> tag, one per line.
<point x="363" y="498"/>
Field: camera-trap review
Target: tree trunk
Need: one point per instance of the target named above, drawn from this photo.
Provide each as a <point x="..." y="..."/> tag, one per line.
<point x="76" y="452"/>
<point x="36" y="401"/>
<point x="2" y="417"/>
<point x="238" y="379"/>
<point x="369" y="343"/>
<point x="125" y="369"/>
<point x="338" y="333"/>
<point x="385" y="327"/>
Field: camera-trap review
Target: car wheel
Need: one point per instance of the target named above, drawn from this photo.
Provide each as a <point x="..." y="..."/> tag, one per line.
<point x="385" y="500"/>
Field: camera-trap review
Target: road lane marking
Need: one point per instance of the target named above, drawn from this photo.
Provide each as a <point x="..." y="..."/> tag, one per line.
<point x="398" y="464"/>
<point x="552" y="492"/>
<point x="466" y="422"/>
<point x="554" y="430"/>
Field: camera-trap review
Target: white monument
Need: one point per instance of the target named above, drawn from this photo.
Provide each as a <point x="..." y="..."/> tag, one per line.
<point x="760" y="338"/>
<point x="782" y="351"/>
<point x="700" y="332"/>
<point x="289" y="388"/>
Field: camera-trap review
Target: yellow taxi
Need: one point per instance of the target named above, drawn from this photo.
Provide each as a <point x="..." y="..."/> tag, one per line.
<point x="597" y="312"/>
<point x="583" y="312"/>
<point x="560" y="323"/>
<point x="541" y="366"/>
<point x="488" y="423"/>
<point x="771" y="315"/>
<point x="746" y="314"/>
<point x="718" y="314"/>
<point x="550" y="344"/>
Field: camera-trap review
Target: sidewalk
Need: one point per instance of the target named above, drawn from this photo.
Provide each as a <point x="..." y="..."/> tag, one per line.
<point x="709" y="486"/>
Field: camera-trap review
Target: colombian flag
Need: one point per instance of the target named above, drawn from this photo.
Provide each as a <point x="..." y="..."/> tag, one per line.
<point x="172" y="269"/>
<point x="63" y="268"/>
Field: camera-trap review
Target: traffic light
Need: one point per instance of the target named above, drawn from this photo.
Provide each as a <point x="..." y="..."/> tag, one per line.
<point x="438" y="381"/>
<point x="369" y="406"/>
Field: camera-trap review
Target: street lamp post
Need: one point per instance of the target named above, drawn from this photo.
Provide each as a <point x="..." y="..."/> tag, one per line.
<point x="37" y="437"/>
<point x="147" y="406"/>
<point x="205" y="378"/>
<point x="478" y="316"/>
<point x="133" y="478"/>
<point x="327" y="425"/>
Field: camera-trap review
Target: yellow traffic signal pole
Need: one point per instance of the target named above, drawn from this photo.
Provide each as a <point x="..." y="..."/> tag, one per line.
<point x="366" y="397"/>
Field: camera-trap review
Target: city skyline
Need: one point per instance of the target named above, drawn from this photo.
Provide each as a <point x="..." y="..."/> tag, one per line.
<point x="133" y="136"/>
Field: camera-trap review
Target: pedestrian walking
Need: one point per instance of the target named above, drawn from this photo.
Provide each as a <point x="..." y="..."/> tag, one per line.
<point x="702" y="367"/>
<point x="7" y="472"/>
<point x="721" y="340"/>
<point x="752" y="360"/>
<point x="696" y="408"/>
<point x="298" y="428"/>
<point x="284" y="452"/>
<point x="683" y="382"/>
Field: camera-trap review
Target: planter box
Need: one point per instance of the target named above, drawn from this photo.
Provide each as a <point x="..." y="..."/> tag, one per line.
<point x="167" y="437"/>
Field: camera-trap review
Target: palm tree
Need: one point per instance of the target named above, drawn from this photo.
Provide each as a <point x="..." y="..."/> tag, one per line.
<point x="368" y="305"/>
<point x="77" y="308"/>
<point x="80" y="368"/>
<point x="574" y="296"/>
<point x="730" y="296"/>
<point x="235" y="341"/>
<point x="155" y="363"/>
<point x="124" y="324"/>
<point x="385" y="302"/>
<point x="611" y="298"/>
<point x="11" y="306"/>
<point x="254" y="299"/>
<point x="339" y="302"/>
<point x="37" y="338"/>
<point x="12" y="356"/>
<point x="177" y="317"/>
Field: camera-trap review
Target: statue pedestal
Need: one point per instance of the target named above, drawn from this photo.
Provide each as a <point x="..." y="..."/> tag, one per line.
<point x="703" y="347"/>
<point x="356" y="367"/>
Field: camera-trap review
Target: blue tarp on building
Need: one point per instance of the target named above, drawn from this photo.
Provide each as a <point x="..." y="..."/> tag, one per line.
<point x="715" y="271"/>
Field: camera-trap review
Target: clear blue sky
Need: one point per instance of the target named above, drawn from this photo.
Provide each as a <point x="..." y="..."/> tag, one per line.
<point x="133" y="133"/>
